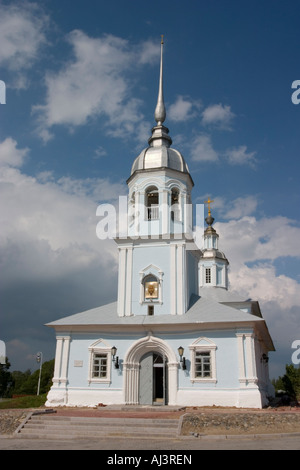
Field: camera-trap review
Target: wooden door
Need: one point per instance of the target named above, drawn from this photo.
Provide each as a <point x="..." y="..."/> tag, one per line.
<point x="146" y="380"/>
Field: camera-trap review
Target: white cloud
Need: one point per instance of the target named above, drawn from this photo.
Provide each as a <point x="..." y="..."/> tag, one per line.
<point x="240" y="207"/>
<point x="250" y="240"/>
<point x="240" y="156"/>
<point x="22" y="28"/>
<point x="100" y="152"/>
<point x="93" y="83"/>
<point x="56" y="218"/>
<point x="184" y="108"/>
<point x="201" y="149"/>
<point x="10" y="155"/>
<point x="218" y="115"/>
<point x="148" y="52"/>
<point x="261" y="243"/>
<point x="262" y="283"/>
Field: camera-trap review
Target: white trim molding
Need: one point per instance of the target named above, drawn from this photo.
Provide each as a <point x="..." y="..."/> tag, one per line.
<point x="100" y="347"/>
<point x="203" y="345"/>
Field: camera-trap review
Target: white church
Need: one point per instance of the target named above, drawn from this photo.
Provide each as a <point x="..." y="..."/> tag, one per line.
<point x="176" y="334"/>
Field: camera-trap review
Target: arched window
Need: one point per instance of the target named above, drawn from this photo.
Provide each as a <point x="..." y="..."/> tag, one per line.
<point x="152" y="203"/>
<point x="175" y="208"/>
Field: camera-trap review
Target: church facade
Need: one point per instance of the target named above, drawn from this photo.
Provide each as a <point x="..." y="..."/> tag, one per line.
<point x="176" y="334"/>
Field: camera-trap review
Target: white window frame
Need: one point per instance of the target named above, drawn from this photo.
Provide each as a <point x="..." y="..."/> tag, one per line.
<point x="200" y="346"/>
<point x="100" y="350"/>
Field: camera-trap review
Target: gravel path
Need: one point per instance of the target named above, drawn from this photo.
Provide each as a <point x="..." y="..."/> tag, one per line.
<point x="11" y="419"/>
<point x="239" y="422"/>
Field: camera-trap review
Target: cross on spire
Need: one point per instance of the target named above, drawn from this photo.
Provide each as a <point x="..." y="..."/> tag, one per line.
<point x="209" y="201"/>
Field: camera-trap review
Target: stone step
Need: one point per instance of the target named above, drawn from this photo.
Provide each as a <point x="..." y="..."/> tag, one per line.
<point x="68" y="427"/>
<point x="82" y="419"/>
<point x="104" y="429"/>
<point x="96" y="435"/>
<point x="92" y="428"/>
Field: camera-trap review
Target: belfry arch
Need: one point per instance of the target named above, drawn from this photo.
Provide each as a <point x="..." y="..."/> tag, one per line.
<point x="132" y="368"/>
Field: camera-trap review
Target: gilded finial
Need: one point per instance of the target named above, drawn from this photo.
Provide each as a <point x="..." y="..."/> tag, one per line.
<point x="209" y="201"/>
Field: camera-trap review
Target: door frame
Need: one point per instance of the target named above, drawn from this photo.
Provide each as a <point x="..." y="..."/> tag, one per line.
<point x="154" y="377"/>
<point x="131" y="366"/>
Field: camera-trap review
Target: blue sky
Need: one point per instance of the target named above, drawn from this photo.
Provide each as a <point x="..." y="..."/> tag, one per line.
<point x="81" y="88"/>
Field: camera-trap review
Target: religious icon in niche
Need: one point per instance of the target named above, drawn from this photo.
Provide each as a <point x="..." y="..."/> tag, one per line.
<point x="151" y="290"/>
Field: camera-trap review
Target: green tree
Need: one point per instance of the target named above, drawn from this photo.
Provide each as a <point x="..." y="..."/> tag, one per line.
<point x="19" y="379"/>
<point x="29" y="383"/>
<point x="289" y="382"/>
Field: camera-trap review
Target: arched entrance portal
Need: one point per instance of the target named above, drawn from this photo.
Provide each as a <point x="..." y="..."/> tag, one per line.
<point x="150" y="373"/>
<point x="153" y="383"/>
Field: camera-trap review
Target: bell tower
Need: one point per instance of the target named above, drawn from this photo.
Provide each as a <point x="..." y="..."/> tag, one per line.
<point x="213" y="265"/>
<point x="158" y="261"/>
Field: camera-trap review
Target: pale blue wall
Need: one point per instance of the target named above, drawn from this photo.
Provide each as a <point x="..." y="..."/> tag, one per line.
<point x="144" y="256"/>
<point x="226" y="357"/>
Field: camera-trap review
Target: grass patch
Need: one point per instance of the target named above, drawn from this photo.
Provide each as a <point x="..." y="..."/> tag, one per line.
<point x="28" y="401"/>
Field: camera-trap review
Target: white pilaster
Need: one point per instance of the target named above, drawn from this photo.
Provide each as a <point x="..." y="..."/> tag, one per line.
<point x="173" y="280"/>
<point x="165" y="212"/>
<point x="246" y="357"/>
<point x="65" y="359"/>
<point x="241" y="358"/>
<point x="214" y="275"/>
<point x="121" y="282"/>
<point x="180" y="280"/>
<point x="58" y="355"/>
<point x="128" y="286"/>
<point x="250" y="356"/>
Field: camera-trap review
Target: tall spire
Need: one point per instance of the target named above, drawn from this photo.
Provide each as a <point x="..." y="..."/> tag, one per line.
<point x="160" y="110"/>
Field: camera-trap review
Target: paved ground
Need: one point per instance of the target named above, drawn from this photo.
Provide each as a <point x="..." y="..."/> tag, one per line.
<point x="111" y="446"/>
<point x="136" y="445"/>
